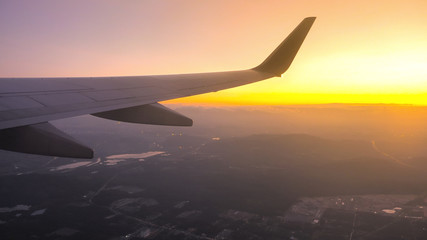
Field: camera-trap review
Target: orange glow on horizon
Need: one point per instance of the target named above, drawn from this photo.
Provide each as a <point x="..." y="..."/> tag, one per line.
<point x="281" y="98"/>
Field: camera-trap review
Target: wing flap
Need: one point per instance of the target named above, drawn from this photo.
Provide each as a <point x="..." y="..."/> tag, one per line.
<point x="18" y="102"/>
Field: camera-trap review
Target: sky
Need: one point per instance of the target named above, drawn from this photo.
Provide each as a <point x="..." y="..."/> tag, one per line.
<point x="356" y="52"/>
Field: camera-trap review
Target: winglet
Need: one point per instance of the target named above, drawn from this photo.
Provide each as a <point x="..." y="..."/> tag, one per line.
<point x="281" y="58"/>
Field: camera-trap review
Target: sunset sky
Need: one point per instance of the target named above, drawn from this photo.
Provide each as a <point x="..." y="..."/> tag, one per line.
<point x="356" y="52"/>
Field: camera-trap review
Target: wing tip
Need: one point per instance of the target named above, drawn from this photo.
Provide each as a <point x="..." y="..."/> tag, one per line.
<point x="281" y="58"/>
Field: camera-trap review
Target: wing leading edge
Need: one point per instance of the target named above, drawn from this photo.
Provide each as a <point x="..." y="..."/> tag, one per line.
<point x="27" y="104"/>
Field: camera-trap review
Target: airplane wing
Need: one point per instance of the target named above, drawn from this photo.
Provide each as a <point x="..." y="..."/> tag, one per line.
<point x="27" y="104"/>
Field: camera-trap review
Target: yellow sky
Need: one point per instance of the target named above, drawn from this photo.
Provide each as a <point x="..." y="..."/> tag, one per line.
<point x="356" y="52"/>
